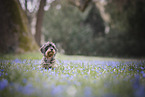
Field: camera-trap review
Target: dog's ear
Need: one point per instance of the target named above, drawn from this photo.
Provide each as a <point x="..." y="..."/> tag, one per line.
<point x="42" y="49"/>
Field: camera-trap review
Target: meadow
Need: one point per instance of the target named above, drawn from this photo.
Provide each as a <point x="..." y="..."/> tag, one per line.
<point x="75" y="76"/>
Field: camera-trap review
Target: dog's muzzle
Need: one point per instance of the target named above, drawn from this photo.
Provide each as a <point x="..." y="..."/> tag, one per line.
<point x="50" y="52"/>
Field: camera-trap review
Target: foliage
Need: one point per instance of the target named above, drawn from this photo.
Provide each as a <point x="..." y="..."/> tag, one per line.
<point x="127" y="20"/>
<point x="71" y="29"/>
<point x="128" y="16"/>
<point x="78" y="33"/>
<point x="88" y="77"/>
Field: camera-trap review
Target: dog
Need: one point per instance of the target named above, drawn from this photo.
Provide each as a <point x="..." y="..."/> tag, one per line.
<point x="49" y="51"/>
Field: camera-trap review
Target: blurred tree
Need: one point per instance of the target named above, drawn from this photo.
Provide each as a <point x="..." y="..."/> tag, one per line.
<point x="81" y="4"/>
<point x="128" y="16"/>
<point x="35" y="13"/>
<point x="14" y="33"/>
<point x="39" y="21"/>
<point x="95" y="21"/>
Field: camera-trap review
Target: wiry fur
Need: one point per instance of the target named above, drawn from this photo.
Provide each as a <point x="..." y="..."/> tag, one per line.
<point x="49" y="51"/>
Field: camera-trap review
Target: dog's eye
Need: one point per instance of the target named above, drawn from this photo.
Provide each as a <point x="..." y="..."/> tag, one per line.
<point x="46" y="48"/>
<point x="53" y="46"/>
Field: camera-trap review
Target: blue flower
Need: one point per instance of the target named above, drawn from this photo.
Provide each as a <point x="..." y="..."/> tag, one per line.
<point x="28" y="89"/>
<point x="67" y="75"/>
<point x="3" y="84"/>
<point x="87" y="92"/>
<point x="24" y="80"/>
<point x="140" y="92"/>
<point x="136" y="83"/>
<point x="33" y="68"/>
<point x="17" y="61"/>
<point x="142" y="68"/>
<point x="142" y="72"/>
<point x="143" y="75"/>
<point x="57" y="90"/>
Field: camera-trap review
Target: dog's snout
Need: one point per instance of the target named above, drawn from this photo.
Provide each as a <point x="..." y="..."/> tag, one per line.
<point x="51" y="49"/>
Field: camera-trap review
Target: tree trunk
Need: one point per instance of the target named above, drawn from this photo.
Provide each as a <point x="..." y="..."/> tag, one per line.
<point x="39" y="21"/>
<point x="81" y="4"/>
<point x="14" y="32"/>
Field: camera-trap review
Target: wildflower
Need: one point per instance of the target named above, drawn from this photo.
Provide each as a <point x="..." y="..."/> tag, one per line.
<point x="6" y="73"/>
<point x="1" y="73"/>
<point x="141" y="68"/>
<point x="140" y="92"/>
<point x="142" y="72"/>
<point x="33" y="68"/>
<point x="28" y="89"/>
<point x="3" y="84"/>
<point x="24" y="80"/>
<point x="87" y="92"/>
<point x="136" y="83"/>
<point x="67" y="75"/>
<point x="17" y="61"/>
<point x="56" y="90"/>
<point x="2" y="70"/>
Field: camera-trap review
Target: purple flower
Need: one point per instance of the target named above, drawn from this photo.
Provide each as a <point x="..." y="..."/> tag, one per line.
<point x="141" y="68"/>
<point x="136" y="83"/>
<point x="142" y="72"/>
<point x="28" y="89"/>
<point x="3" y="84"/>
<point x="17" y="61"/>
<point x="87" y="92"/>
<point x="24" y="80"/>
<point x="57" y="90"/>
<point x="140" y="92"/>
<point x="143" y="75"/>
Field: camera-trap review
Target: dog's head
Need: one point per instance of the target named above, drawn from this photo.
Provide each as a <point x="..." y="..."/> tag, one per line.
<point x="49" y="50"/>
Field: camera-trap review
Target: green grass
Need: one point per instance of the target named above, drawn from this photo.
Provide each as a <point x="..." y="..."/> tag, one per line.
<point x="76" y="76"/>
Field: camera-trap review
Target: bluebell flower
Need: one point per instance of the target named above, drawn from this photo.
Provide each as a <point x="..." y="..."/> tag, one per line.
<point x="24" y="80"/>
<point x="28" y="89"/>
<point x="140" y="92"/>
<point x="142" y="72"/>
<point x="2" y="70"/>
<point x="87" y="92"/>
<point x="143" y="75"/>
<point x="141" y="68"/>
<point x="67" y="75"/>
<point x="136" y="82"/>
<point x="57" y="90"/>
<point x="122" y="69"/>
<point x="1" y="73"/>
<point x="6" y="73"/>
<point x="3" y="84"/>
<point x="17" y="61"/>
<point x="33" y="68"/>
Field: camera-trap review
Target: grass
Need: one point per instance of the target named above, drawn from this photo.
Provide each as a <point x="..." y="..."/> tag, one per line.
<point x="76" y="76"/>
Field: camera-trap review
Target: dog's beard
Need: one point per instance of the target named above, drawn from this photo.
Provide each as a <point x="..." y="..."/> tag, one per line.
<point x="49" y="54"/>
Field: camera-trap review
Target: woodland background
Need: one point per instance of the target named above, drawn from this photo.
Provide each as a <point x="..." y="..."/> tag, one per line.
<point x="77" y="27"/>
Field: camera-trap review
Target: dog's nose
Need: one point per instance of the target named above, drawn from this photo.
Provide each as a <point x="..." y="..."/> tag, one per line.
<point x="51" y="49"/>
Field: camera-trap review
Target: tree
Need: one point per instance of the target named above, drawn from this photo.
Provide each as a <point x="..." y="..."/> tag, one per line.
<point x="35" y="16"/>
<point x="128" y="16"/>
<point x="14" y="33"/>
<point x="95" y="21"/>
<point x="81" y="4"/>
<point x="39" y="21"/>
